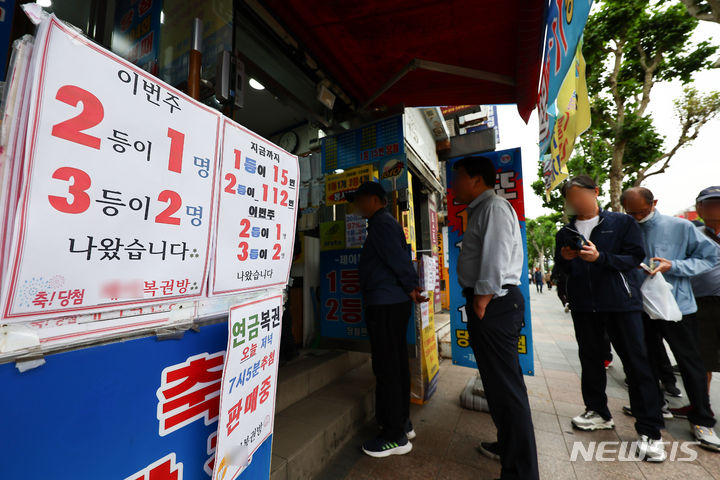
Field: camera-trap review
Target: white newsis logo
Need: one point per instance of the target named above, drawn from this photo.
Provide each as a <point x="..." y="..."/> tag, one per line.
<point x="617" y="451"/>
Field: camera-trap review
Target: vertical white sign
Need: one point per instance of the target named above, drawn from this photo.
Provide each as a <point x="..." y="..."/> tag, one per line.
<point x="255" y="228"/>
<point x="249" y="383"/>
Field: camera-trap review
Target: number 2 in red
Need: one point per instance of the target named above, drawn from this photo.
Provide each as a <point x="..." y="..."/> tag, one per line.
<point x="175" y="202"/>
<point x="91" y="115"/>
<point x="334" y="305"/>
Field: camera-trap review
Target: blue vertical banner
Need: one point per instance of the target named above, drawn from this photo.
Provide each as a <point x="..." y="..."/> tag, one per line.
<point x="509" y="185"/>
<point x="7" y="8"/>
<point x="143" y="409"/>
<point x="341" y="309"/>
<point x="136" y="33"/>
<point x="564" y="26"/>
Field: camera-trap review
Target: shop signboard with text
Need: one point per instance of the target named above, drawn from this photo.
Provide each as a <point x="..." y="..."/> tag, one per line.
<point x="150" y="195"/>
<point x="121" y="169"/>
<point x="341" y="308"/>
<point x="509" y="185"/>
<point x="158" y="423"/>
<point x="369" y="144"/>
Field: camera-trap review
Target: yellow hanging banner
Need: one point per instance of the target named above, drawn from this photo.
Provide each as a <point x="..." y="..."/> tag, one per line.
<point x="573" y="119"/>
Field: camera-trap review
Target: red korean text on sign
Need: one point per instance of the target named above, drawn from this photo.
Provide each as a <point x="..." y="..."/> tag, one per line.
<point x="164" y="469"/>
<point x="249" y="404"/>
<point x="190" y="391"/>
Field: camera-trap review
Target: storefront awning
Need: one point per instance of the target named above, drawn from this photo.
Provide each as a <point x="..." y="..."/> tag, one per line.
<point x="420" y="53"/>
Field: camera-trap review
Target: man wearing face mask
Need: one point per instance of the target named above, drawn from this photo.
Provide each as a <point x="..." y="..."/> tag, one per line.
<point x="706" y="286"/>
<point x="677" y="249"/>
<point x="598" y="250"/>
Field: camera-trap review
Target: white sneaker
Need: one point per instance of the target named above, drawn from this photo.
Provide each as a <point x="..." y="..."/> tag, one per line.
<point x="651" y="450"/>
<point x="591" y="420"/>
<point x="707" y="437"/>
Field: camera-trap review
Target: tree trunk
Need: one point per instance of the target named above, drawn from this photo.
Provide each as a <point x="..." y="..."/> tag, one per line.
<point x="617" y="175"/>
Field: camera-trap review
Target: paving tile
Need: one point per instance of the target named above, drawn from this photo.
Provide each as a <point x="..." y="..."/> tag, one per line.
<point x="448" y="435"/>
<point x="463" y="450"/>
<point x="566" y="409"/>
<point x="476" y="425"/>
<point x="457" y="471"/>
<point x="542" y="404"/>
<point x="609" y="470"/>
<point x="547" y="422"/>
<point x="552" y="468"/>
<point x="551" y="444"/>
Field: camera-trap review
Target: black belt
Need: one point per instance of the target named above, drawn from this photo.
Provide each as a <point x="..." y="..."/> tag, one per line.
<point x="470" y="292"/>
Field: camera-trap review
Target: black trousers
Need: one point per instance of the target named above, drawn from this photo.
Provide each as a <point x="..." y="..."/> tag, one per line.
<point x="387" y="329"/>
<point x="662" y="368"/>
<point x="625" y="330"/>
<point x="494" y="341"/>
<point x="682" y="337"/>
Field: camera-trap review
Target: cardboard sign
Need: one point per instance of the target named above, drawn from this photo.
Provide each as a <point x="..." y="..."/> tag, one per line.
<point x="256" y="216"/>
<point x="117" y="200"/>
<point x="249" y="382"/>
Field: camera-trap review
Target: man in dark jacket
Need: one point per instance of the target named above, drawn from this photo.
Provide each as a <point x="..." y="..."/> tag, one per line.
<point x="599" y="250"/>
<point x="538" y="280"/>
<point x="388" y="282"/>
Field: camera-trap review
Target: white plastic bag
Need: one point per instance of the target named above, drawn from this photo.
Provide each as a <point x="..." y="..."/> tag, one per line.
<point x="658" y="300"/>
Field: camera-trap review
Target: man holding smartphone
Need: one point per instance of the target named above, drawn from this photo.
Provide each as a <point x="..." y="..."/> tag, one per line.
<point x="678" y="250"/>
<point x="489" y="270"/>
<point x="599" y="250"/>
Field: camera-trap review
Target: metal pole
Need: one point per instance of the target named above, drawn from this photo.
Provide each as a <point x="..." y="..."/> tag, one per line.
<point x="195" y="63"/>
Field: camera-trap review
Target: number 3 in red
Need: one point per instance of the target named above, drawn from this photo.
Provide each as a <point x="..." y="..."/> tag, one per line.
<point x="92" y="114"/>
<point x="80" y="199"/>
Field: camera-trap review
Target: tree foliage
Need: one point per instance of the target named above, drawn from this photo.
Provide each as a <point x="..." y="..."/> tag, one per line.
<point x="629" y="46"/>
<point x="541" y="239"/>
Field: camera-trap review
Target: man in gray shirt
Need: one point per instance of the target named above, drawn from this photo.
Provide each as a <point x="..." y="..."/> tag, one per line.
<point x="706" y="286"/>
<point x="489" y="269"/>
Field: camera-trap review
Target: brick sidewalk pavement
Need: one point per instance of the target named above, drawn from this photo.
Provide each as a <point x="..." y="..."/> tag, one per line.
<point x="448" y="434"/>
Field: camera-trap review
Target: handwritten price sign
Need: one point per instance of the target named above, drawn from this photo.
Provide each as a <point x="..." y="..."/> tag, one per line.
<point x="117" y="203"/>
<point x="256" y="216"/>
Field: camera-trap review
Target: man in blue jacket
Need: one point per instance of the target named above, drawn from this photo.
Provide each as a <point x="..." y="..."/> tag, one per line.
<point x="598" y="250"/>
<point x="388" y="282"/>
<point x="674" y="247"/>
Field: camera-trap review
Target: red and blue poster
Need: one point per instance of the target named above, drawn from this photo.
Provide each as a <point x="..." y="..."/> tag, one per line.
<point x="143" y="409"/>
<point x="136" y="34"/>
<point x="509" y="185"/>
<point x="341" y="310"/>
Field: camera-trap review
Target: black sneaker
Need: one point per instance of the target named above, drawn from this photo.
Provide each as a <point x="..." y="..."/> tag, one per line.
<point x="672" y="390"/>
<point x="490" y="450"/>
<point x="379" y="447"/>
<point x="666" y="412"/>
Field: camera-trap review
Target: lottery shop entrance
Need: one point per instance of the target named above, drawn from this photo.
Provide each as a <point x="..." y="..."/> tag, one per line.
<point x="303" y="75"/>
